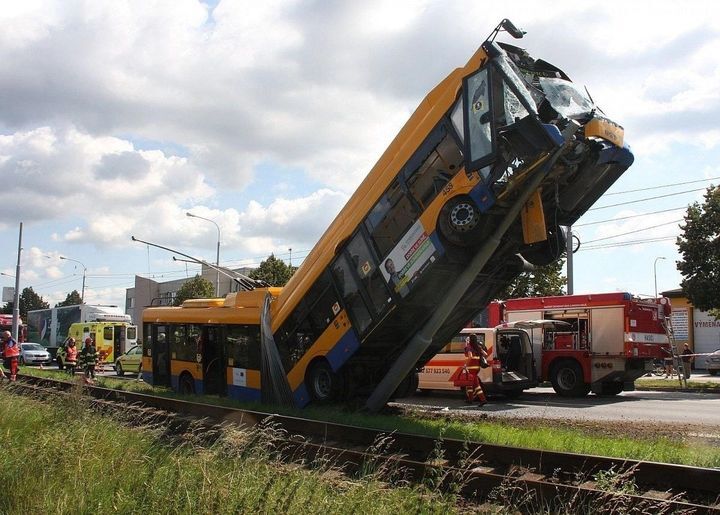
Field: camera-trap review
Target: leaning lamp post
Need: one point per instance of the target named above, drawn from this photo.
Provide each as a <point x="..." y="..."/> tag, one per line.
<point x="82" y="293"/>
<point x="655" y="272"/>
<point x="217" y="257"/>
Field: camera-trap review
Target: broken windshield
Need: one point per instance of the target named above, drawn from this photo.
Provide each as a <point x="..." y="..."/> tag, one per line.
<point x="566" y="97"/>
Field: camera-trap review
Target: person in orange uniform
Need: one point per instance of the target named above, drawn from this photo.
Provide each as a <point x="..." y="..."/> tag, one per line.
<point x="71" y="356"/>
<point x="475" y="355"/>
<point x="11" y="354"/>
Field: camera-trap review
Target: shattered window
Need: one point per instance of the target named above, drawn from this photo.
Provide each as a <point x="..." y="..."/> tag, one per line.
<point x="478" y="117"/>
<point x="566" y="97"/>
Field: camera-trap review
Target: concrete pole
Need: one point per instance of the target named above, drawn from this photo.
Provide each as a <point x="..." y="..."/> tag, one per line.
<point x="16" y="298"/>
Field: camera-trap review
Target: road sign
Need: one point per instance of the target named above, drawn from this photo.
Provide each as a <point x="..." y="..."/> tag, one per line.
<point x="8" y="294"/>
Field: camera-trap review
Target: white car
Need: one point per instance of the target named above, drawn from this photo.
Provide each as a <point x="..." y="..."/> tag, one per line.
<point x="713" y="363"/>
<point x="33" y="354"/>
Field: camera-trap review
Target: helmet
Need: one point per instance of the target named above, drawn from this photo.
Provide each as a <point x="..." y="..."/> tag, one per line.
<point x="88" y="340"/>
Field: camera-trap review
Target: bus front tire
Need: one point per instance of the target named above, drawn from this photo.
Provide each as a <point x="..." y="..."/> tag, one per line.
<point x="459" y="221"/>
<point x="567" y="379"/>
<point x="323" y="384"/>
<point x="186" y="384"/>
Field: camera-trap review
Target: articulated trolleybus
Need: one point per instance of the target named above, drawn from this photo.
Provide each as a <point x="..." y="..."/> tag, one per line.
<point x="497" y="157"/>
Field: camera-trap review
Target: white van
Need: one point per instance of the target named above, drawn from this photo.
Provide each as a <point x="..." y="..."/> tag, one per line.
<point x="511" y="364"/>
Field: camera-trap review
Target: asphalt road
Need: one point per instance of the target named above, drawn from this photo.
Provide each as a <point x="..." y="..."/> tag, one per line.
<point x="647" y="406"/>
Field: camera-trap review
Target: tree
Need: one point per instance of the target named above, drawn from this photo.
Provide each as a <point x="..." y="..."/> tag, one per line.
<point x="30" y="300"/>
<point x="273" y="271"/>
<point x="699" y="246"/>
<point x="541" y="282"/>
<point x="196" y="288"/>
<point x="73" y="299"/>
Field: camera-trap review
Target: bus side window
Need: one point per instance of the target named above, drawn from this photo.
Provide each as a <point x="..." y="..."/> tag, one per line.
<point x="435" y="171"/>
<point x="243" y="346"/>
<point x="390" y="218"/>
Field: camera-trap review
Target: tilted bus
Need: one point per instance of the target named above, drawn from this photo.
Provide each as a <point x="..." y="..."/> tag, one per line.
<point x="497" y="157"/>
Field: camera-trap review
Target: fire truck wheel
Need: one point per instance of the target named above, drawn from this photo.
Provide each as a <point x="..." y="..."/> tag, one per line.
<point x="567" y="379"/>
<point x="323" y="384"/>
<point x="610" y="388"/>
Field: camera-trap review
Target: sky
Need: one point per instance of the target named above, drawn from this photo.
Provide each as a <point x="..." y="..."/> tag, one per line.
<point x="119" y="117"/>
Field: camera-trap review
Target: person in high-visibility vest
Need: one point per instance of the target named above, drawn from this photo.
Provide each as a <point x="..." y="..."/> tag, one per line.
<point x="88" y="357"/>
<point x="475" y="356"/>
<point x="71" y="353"/>
<point x="11" y="353"/>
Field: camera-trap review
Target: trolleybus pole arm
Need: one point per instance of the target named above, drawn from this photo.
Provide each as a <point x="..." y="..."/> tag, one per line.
<point x="422" y="339"/>
<point x="245" y="282"/>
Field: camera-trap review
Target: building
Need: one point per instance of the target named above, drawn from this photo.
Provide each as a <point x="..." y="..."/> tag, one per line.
<point x="148" y="292"/>
<point x="699" y="329"/>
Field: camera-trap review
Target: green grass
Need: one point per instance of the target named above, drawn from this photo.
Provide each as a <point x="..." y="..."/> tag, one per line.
<point x="62" y="459"/>
<point x="692" y="384"/>
<point x="547" y="436"/>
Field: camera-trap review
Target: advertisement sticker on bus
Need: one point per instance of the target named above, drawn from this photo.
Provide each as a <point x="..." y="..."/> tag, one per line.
<point x="409" y="259"/>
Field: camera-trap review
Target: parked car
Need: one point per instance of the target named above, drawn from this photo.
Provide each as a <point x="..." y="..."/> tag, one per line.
<point x="713" y="363"/>
<point x="34" y="354"/>
<point x="129" y="362"/>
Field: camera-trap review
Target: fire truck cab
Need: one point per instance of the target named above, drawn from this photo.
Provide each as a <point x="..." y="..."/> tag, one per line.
<point x="611" y="339"/>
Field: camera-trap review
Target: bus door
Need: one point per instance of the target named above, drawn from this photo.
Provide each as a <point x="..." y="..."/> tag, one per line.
<point x="160" y="355"/>
<point x="118" y="339"/>
<point x="213" y="361"/>
<point x="364" y="290"/>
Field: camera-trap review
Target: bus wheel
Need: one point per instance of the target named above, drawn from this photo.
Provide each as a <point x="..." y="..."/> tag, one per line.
<point x="323" y="384"/>
<point x="610" y="389"/>
<point x="186" y="384"/>
<point x="459" y="221"/>
<point x="546" y="252"/>
<point x="567" y="379"/>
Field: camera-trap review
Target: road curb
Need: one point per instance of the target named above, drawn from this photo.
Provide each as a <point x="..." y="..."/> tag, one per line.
<point x="715" y="391"/>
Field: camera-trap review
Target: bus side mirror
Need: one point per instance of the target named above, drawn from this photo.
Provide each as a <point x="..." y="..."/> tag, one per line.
<point x="512" y="29"/>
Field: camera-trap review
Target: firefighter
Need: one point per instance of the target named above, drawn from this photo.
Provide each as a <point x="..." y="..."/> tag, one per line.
<point x="71" y="353"/>
<point x="88" y="358"/>
<point x="475" y="357"/>
<point x="11" y="353"/>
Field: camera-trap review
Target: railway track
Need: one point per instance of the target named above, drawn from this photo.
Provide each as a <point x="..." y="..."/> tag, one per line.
<point x="471" y="469"/>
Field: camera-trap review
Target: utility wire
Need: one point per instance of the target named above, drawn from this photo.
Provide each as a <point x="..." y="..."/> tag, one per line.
<point x="633" y="232"/>
<point x="662" y="186"/>
<point x="628" y="217"/>
<point x="645" y="199"/>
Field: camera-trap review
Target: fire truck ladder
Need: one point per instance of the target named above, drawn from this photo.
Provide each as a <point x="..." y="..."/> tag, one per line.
<point x="678" y="363"/>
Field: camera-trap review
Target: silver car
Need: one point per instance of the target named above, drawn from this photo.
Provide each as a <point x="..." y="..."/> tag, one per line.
<point x="713" y="363"/>
<point x="34" y="354"/>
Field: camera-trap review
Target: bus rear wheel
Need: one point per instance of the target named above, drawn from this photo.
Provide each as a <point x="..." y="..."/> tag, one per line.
<point x="186" y="384"/>
<point x="567" y="379"/>
<point x="546" y="252"/>
<point x="459" y="221"/>
<point x="323" y="384"/>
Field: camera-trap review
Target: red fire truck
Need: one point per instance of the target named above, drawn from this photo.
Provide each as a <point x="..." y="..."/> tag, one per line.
<point x="6" y="325"/>
<point x="610" y="339"/>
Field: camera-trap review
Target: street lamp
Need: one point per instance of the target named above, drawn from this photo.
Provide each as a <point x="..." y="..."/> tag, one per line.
<point x="655" y="273"/>
<point x="217" y="258"/>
